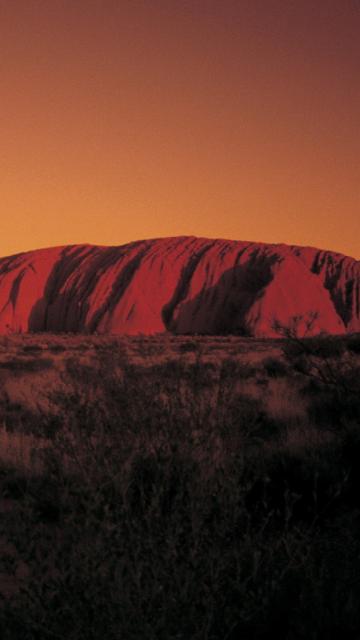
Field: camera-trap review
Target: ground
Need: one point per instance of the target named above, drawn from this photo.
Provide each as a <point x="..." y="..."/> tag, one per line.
<point x="179" y="486"/>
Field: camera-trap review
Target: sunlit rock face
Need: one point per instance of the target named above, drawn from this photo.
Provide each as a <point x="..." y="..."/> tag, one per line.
<point x="181" y="285"/>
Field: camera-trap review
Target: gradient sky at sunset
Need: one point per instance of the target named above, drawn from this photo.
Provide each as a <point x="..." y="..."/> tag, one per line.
<point x="130" y="119"/>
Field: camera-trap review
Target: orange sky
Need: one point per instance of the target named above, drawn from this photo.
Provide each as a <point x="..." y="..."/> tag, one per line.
<point x="130" y="119"/>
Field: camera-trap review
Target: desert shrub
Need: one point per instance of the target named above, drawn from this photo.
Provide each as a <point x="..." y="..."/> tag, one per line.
<point x="353" y="344"/>
<point x="324" y="346"/>
<point x="331" y="409"/>
<point x="333" y="383"/>
<point x="13" y="484"/>
<point x="234" y="369"/>
<point x="188" y="347"/>
<point x="311" y="387"/>
<point x="57" y="348"/>
<point x="293" y="349"/>
<point x="22" y="365"/>
<point x="246" y="371"/>
<point x="317" y="346"/>
<point x="17" y="416"/>
<point x="32" y="348"/>
<point x="275" y="368"/>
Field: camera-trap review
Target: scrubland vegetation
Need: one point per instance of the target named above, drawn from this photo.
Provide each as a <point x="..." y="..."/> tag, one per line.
<point x="179" y="488"/>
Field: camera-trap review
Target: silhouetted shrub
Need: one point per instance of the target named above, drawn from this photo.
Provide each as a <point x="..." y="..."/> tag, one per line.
<point x="27" y="366"/>
<point x="32" y="348"/>
<point x="324" y="347"/>
<point x="353" y="344"/>
<point x="275" y="368"/>
<point x="333" y="410"/>
<point x="317" y="346"/>
<point x="188" y="347"/>
<point x="57" y="348"/>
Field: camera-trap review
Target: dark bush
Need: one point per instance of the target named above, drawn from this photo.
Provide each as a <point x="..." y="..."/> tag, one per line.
<point x="22" y="365"/>
<point x="353" y="344"/>
<point x="32" y="348"/>
<point x="332" y="410"/>
<point x="275" y="368"/>
<point x="317" y="346"/>
<point x="325" y="346"/>
<point x="188" y="347"/>
<point x="57" y="348"/>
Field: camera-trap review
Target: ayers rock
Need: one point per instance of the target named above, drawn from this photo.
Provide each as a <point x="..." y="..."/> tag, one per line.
<point x="182" y="285"/>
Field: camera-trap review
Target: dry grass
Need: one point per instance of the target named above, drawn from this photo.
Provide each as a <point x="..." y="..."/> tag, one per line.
<point x="284" y="401"/>
<point x="202" y="488"/>
<point x="21" y="451"/>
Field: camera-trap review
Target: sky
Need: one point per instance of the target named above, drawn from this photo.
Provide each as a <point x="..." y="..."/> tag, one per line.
<point x="129" y="119"/>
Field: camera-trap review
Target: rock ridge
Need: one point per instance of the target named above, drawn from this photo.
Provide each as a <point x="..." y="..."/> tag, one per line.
<point x="183" y="285"/>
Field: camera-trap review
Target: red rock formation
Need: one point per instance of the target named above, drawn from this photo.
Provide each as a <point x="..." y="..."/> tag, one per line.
<point x="184" y="285"/>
